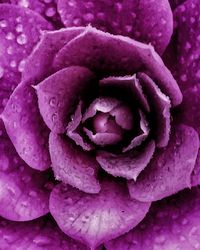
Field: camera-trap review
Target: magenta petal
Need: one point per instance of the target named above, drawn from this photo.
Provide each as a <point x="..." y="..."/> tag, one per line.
<point x="94" y="219"/>
<point x="39" y="234"/>
<point x="116" y="55"/>
<point x="72" y="165"/>
<point x="170" y="169"/>
<point x="148" y="21"/>
<point x="160" y="105"/>
<point x="26" y="128"/>
<point x="127" y="165"/>
<point x="59" y="93"/>
<point x="23" y="191"/>
<point x="171" y="224"/>
<point x="19" y="33"/>
<point x="39" y="63"/>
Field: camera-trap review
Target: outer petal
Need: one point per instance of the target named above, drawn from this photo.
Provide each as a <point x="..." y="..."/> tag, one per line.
<point x="59" y="93"/>
<point x="116" y="55"/>
<point x="26" y="128"/>
<point x="93" y="219"/>
<point x="24" y="193"/>
<point x="171" y="224"/>
<point x="170" y="169"/>
<point x="72" y="165"/>
<point x="147" y="21"/>
<point x="47" y="8"/>
<point x="35" y="235"/>
<point x="127" y="165"/>
<point x="19" y="33"/>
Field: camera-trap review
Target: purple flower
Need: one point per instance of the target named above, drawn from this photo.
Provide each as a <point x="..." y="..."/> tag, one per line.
<point x="98" y="133"/>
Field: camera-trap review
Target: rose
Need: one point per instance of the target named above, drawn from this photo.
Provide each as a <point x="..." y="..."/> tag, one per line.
<point x="25" y="192"/>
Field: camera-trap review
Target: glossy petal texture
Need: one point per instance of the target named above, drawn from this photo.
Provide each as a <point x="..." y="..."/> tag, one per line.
<point x="58" y="94"/>
<point x="171" y="224"/>
<point x="39" y="63"/>
<point x="107" y="54"/>
<point x="26" y="128"/>
<point x="94" y="219"/>
<point x="47" y="8"/>
<point x="146" y="21"/>
<point x="130" y="84"/>
<point x="19" y="33"/>
<point x="160" y="106"/>
<point x="127" y="165"/>
<point x="170" y="169"/>
<point x="23" y="192"/>
<point x="73" y="130"/>
<point x="39" y="234"/>
<point x="72" y="165"/>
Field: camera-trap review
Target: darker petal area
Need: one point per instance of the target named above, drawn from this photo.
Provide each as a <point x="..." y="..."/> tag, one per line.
<point x="171" y="224"/>
<point x="72" y="165"/>
<point x="96" y="218"/>
<point x="170" y="169"/>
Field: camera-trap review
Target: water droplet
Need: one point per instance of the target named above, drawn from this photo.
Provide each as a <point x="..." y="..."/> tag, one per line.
<point x="52" y="102"/>
<point x="13" y="64"/>
<point x="22" y="39"/>
<point x="50" y="12"/>
<point x="184" y="78"/>
<point x="10" y="36"/>
<point x="19" y="28"/>
<point x="72" y="3"/>
<point x="21" y="65"/>
<point x="1" y="72"/>
<point x="77" y="21"/>
<point x="3" y="24"/>
<point x="88" y="17"/>
<point x="24" y="3"/>
<point x="10" y="50"/>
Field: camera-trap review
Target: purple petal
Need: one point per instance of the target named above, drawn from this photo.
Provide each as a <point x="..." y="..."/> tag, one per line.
<point x="171" y="224"/>
<point x="127" y="165"/>
<point x="24" y="194"/>
<point x="26" y="128"/>
<point x="73" y="129"/>
<point x="19" y="33"/>
<point x="94" y="219"/>
<point x="116" y="55"/>
<point x="59" y="93"/>
<point x="147" y="21"/>
<point x="47" y="8"/>
<point x="129" y="83"/>
<point x="39" y="63"/>
<point x="170" y="169"/>
<point x="143" y="134"/>
<point x="160" y="106"/>
<point x="39" y="234"/>
<point x="72" y="165"/>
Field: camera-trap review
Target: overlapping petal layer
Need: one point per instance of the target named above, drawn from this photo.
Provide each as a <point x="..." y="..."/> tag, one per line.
<point x="72" y="165"/>
<point x="39" y="234"/>
<point x="94" y="219"/>
<point x="171" y="224"/>
<point x="146" y="21"/>
<point x="170" y="169"/>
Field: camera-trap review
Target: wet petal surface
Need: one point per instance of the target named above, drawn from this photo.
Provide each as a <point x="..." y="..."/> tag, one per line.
<point x="170" y="169"/>
<point x="170" y="224"/>
<point x="26" y="128"/>
<point x="93" y="219"/>
<point x="146" y="21"/>
<point x="72" y="165"/>
<point x="35" y="235"/>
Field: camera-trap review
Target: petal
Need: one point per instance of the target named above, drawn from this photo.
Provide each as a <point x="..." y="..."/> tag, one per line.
<point x="171" y="224"/>
<point x="170" y="169"/>
<point x="48" y="9"/>
<point x="127" y="165"/>
<point x="26" y="128"/>
<point x="39" y="234"/>
<point x="160" y="106"/>
<point x="94" y="219"/>
<point x="132" y="87"/>
<point x="39" y="63"/>
<point x="19" y="33"/>
<point x="107" y="54"/>
<point x="59" y="93"/>
<point x="148" y="21"/>
<point x="73" y="131"/>
<point x="72" y="165"/>
<point x="24" y="193"/>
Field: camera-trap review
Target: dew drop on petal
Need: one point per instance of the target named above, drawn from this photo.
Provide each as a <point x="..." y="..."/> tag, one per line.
<point x="22" y="39"/>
